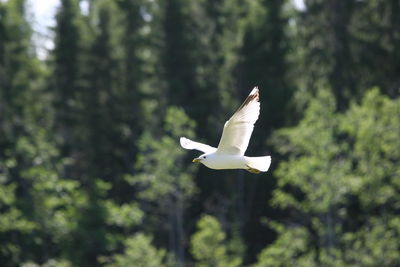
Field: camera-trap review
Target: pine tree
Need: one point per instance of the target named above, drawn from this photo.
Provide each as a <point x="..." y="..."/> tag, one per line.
<point x="77" y="113"/>
<point x="104" y="149"/>
<point x="324" y="47"/>
<point x="67" y="81"/>
<point x="375" y="31"/>
<point x="265" y="62"/>
<point x="17" y="66"/>
<point x="132" y="72"/>
<point x="209" y="245"/>
<point x="339" y="181"/>
<point x="140" y="251"/>
<point x="33" y="215"/>
<point x="164" y="186"/>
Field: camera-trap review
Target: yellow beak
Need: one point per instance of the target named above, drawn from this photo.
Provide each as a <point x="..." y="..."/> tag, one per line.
<point x="196" y="160"/>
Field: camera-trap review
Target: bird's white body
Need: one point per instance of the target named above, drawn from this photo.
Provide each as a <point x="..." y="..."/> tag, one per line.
<point x="220" y="162"/>
<point x="234" y="141"/>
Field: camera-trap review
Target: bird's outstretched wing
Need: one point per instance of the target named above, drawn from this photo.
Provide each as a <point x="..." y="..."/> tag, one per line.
<point x="238" y="129"/>
<point x="189" y="144"/>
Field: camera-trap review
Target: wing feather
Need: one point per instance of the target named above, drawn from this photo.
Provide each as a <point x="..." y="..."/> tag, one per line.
<point x="189" y="144"/>
<point x="238" y="129"/>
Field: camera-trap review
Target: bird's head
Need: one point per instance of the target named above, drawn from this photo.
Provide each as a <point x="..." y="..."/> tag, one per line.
<point x="201" y="158"/>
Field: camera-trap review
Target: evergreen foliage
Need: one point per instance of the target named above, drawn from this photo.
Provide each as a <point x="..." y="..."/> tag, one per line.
<point x="91" y="171"/>
<point x="208" y="244"/>
<point x="337" y="185"/>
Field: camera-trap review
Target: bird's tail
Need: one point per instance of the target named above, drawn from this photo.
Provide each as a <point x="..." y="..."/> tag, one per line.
<point x="258" y="164"/>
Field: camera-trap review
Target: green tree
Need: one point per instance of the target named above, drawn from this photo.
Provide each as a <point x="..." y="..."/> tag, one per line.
<point x="198" y="45"/>
<point x="139" y="252"/>
<point x="264" y="62"/>
<point x="208" y="244"/>
<point x="339" y="180"/>
<point x="49" y="200"/>
<point x="20" y="73"/>
<point x="132" y="74"/>
<point x="23" y="123"/>
<point x="100" y="96"/>
<point x="375" y="31"/>
<point x="323" y="50"/>
<point x="341" y="46"/>
<point x="68" y="80"/>
<point x="164" y="188"/>
<point x="107" y="132"/>
<point x="14" y="223"/>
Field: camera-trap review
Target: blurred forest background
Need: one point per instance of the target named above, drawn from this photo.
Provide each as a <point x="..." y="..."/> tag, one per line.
<point x="91" y="171"/>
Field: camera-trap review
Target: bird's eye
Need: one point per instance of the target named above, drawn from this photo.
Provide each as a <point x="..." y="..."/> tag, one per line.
<point x="205" y="157"/>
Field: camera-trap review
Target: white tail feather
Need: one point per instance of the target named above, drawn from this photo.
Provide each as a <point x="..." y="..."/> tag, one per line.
<point x="259" y="163"/>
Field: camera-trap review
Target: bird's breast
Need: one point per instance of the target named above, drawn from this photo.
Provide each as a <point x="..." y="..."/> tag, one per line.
<point x="219" y="162"/>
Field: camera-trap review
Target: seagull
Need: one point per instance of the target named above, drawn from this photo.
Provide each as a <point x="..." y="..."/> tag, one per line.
<point x="234" y="141"/>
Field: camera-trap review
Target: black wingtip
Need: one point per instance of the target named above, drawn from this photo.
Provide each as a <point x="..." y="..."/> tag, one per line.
<point x="254" y="95"/>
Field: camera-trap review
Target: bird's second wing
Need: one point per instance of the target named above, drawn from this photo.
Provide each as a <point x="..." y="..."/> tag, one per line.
<point x="189" y="144"/>
<point x="238" y="129"/>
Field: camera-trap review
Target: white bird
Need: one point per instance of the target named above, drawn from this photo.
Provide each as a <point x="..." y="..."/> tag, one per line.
<point x="234" y="141"/>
